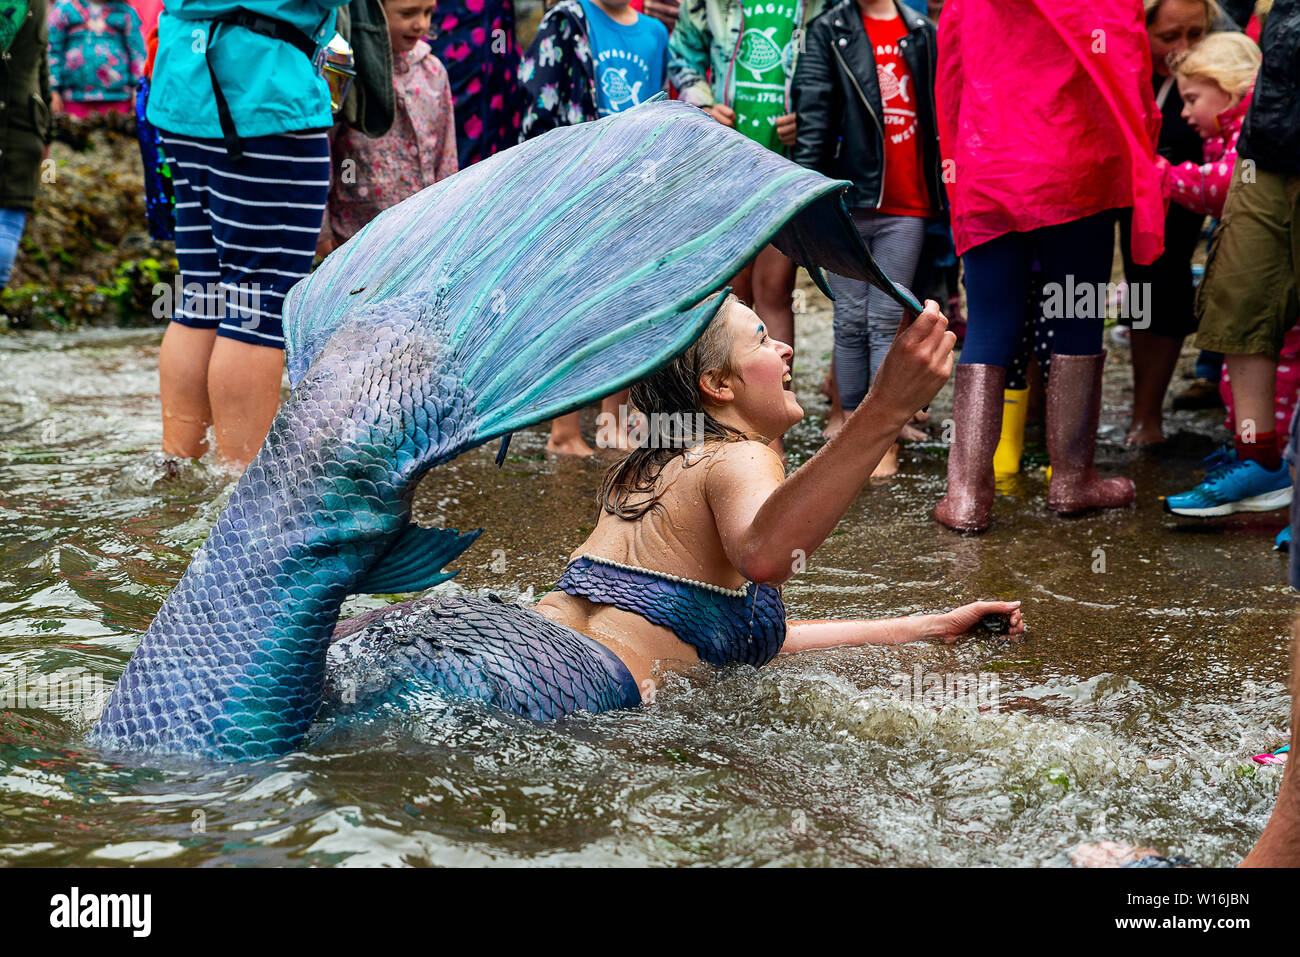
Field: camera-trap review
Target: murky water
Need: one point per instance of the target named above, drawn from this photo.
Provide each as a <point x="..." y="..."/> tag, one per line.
<point x="1154" y="668"/>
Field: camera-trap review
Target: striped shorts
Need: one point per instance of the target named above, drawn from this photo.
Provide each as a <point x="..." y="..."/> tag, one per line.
<point x="245" y="231"/>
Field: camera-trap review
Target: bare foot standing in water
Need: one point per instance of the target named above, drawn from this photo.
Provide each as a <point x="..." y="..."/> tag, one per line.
<point x="613" y="426"/>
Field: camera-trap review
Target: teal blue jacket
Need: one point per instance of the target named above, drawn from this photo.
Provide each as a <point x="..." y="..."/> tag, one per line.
<point x="270" y="86"/>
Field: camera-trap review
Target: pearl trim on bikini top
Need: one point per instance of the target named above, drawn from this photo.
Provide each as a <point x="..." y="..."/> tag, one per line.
<point x="740" y="592"/>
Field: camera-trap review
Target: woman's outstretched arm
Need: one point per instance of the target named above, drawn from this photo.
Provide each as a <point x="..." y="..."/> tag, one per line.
<point x="766" y="525"/>
<point x="815" y="635"/>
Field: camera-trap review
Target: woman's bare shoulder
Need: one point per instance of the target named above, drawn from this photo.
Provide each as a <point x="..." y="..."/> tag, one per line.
<point x="743" y="451"/>
<point x="742" y="460"/>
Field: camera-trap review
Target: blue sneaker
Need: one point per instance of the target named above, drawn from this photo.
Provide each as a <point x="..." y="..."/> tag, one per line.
<point x="1283" y="541"/>
<point x="1235" y="486"/>
<point x="1219" y="459"/>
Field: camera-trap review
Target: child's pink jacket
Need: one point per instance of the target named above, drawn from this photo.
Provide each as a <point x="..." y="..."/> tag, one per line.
<point x="1202" y="187"/>
<point x="370" y="175"/>
<point x="1047" y="115"/>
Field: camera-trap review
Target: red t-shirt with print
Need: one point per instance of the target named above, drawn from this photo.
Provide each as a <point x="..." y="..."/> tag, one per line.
<point x="905" y="192"/>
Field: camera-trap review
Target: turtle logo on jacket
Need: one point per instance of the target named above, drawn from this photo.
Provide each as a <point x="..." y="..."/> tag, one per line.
<point x="758" y="52"/>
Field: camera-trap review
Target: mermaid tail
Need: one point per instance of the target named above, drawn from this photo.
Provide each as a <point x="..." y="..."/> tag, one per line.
<point x="591" y="234"/>
<point x="508" y="657"/>
<point x="517" y="290"/>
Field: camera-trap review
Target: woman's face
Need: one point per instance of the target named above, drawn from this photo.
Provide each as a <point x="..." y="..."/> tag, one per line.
<point x="1203" y="101"/>
<point x="1178" y="26"/>
<point x="408" y="22"/>
<point x="759" y="387"/>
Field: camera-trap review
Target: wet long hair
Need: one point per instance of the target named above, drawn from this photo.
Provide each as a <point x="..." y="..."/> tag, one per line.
<point x="671" y="395"/>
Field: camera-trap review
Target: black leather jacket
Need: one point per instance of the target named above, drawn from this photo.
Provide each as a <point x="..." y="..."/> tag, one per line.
<point x="841" y="129"/>
<point x="1271" y="133"/>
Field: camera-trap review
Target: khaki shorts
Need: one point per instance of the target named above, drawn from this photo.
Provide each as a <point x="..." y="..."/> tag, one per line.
<point x="1247" y="300"/>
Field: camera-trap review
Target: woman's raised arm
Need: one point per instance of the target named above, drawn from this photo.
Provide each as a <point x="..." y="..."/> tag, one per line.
<point x="767" y="526"/>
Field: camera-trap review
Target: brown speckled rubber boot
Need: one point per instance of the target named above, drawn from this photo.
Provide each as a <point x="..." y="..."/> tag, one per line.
<point x="1073" y="409"/>
<point x="977" y="426"/>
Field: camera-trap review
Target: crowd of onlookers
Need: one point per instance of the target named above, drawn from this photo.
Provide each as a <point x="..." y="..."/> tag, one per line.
<point x="1012" y="136"/>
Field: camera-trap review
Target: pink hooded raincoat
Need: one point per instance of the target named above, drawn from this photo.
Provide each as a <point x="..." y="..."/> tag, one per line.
<point x="1046" y="115"/>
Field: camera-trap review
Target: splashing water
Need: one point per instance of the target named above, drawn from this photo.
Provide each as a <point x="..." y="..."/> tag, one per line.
<point x="1129" y="713"/>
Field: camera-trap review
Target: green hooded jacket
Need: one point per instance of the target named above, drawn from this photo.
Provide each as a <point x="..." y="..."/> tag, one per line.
<point x="24" y="99"/>
<point x="707" y="37"/>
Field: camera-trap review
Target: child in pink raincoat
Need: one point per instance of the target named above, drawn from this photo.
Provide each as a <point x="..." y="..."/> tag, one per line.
<point x="370" y="175"/>
<point x="96" y="56"/>
<point x="1216" y="81"/>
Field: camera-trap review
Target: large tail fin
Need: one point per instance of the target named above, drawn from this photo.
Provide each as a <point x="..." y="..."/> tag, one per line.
<point x="576" y="263"/>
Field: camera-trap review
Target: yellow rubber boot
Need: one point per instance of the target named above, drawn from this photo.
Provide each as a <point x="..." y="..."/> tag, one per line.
<point x="1015" y="407"/>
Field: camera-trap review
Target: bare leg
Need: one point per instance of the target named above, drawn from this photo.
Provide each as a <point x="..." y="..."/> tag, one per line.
<point x="614" y="433"/>
<point x="835" y="420"/>
<point x="888" y="465"/>
<point x="742" y="284"/>
<point x="1154" y="359"/>
<point x="244" y="388"/>
<point x="183" y="382"/>
<point x="1254" y="381"/>
<point x="774" y="293"/>
<point x="566" y="437"/>
<point x="1279" y="845"/>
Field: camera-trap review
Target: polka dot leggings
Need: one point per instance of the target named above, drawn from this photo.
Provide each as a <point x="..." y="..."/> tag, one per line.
<point x="1075" y="259"/>
<point x="1288" y="384"/>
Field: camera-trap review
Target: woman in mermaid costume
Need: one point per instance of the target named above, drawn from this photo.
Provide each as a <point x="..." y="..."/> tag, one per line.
<point x="696" y="533"/>
<point x="421" y="338"/>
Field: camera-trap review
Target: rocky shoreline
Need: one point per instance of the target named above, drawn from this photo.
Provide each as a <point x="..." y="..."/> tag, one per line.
<point x="86" y="257"/>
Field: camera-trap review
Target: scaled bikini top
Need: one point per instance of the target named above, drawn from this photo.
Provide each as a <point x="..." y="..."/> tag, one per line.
<point x="724" y="625"/>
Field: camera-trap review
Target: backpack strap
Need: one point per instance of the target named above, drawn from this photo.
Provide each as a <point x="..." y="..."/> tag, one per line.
<point x="267" y="27"/>
<point x="372" y="100"/>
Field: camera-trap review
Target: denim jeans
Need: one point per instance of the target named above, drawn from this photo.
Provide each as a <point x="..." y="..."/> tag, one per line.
<point x="866" y="319"/>
<point x="12" y="222"/>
